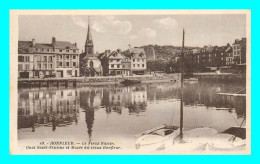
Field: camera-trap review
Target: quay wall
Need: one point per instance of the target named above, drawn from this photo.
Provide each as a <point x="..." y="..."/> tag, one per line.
<point x="224" y="77"/>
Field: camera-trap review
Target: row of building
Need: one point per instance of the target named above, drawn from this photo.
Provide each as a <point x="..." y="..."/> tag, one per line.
<point x="62" y="59"/>
<point x="36" y="60"/>
<point x="209" y="57"/>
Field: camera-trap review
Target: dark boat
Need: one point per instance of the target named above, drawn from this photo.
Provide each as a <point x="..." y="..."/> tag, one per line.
<point x="130" y="82"/>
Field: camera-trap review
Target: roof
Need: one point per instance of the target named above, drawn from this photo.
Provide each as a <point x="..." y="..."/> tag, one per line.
<point x="25" y="47"/>
<point x="115" y="55"/>
<point x="42" y="45"/>
<point x="64" y="45"/>
<point x="134" y="52"/>
<point x="242" y="41"/>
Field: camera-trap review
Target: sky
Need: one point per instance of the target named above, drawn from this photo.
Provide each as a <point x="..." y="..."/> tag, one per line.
<point x="111" y="32"/>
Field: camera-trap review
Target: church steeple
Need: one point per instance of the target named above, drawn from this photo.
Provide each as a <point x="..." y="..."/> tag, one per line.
<point x="89" y="46"/>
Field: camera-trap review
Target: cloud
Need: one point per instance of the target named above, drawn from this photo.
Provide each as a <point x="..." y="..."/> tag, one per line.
<point x="148" y="32"/>
<point x="78" y="21"/>
<point x="167" y="23"/>
<point x="110" y="24"/>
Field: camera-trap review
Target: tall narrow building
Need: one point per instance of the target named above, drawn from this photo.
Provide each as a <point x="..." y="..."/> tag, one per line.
<point x="89" y="46"/>
<point x="90" y="65"/>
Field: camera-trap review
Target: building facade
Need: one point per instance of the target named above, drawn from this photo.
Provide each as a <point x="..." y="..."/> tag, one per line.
<point x="239" y="51"/>
<point x="37" y="60"/>
<point x="137" y="57"/>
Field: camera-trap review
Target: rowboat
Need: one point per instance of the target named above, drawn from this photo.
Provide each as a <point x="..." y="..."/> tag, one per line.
<point x="155" y="138"/>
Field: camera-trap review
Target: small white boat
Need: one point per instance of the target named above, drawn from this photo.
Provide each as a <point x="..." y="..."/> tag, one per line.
<point x="155" y="138"/>
<point x="226" y="142"/>
<point x="232" y="139"/>
<point x="193" y="140"/>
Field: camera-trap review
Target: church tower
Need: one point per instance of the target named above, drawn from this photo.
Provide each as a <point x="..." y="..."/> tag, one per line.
<point x="89" y="46"/>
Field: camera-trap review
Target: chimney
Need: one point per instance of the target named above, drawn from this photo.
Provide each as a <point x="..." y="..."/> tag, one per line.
<point x="119" y="50"/>
<point x="53" y="41"/>
<point x="33" y="42"/>
<point x="75" y="44"/>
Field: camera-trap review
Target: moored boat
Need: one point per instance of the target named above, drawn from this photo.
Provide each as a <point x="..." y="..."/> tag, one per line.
<point x="130" y="82"/>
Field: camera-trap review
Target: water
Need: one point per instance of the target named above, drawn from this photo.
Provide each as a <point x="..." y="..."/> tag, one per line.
<point x="117" y="113"/>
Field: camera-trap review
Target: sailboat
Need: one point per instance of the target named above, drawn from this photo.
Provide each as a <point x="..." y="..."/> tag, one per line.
<point x="172" y="139"/>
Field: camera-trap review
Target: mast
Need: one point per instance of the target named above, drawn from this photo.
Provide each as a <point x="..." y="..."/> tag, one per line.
<point x="182" y="72"/>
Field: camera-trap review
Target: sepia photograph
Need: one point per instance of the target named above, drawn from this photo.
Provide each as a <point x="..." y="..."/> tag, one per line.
<point x="137" y="82"/>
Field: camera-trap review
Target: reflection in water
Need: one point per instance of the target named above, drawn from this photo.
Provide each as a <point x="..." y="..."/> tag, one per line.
<point x="50" y="109"/>
<point x="60" y="108"/>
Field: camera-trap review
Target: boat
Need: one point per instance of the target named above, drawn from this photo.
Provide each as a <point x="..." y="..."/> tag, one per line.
<point x="192" y="141"/>
<point x="155" y="138"/>
<point x="130" y="82"/>
<point x="232" y="139"/>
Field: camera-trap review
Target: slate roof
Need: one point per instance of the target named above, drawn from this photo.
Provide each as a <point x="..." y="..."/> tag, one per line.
<point x="64" y="45"/>
<point x="27" y="46"/>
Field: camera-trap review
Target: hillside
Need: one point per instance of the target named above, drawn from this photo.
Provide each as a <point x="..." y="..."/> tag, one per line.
<point x="162" y="52"/>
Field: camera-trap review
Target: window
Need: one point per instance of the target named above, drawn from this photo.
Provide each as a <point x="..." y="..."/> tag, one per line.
<point x="27" y="58"/>
<point x="45" y="66"/>
<point x="36" y="73"/>
<point x="45" y="58"/>
<point x="137" y="60"/>
<point x="74" y="51"/>
<point x="20" y="58"/>
<point x="74" y="56"/>
<point x="143" y="60"/>
<point x="68" y="56"/>
<point x="133" y="65"/>
<point x="39" y="66"/>
<point x="112" y="66"/>
<point x="60" y="56"/>
<point x="142" y="65"/>
<point x="118" y="66"/>
<point x="74" y="64"/>
<point x="60" y="50"/>
<point x="27" y="67"/>
<point x="60" y="64"/>
<point x="67" y="64"/>
<point x="67" y="50"/>
<point x="123" y="66"/>
<point x="20" y="67"/>
<point x="50" y="58"/>
<point x="69" y="72"/>
<point x="138" y="65"/>
<point x="50" y="66"/>
<point x="133" y="60"/>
